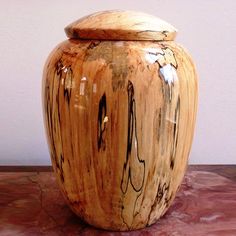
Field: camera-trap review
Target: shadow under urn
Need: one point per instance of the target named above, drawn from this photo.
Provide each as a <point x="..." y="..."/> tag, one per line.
<point x="119" y="104"/>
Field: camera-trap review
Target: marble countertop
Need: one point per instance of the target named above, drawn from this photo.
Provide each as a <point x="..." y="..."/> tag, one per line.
<point x="31" y="204"/>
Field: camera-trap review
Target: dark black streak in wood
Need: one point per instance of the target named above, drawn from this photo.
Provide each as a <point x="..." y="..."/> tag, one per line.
<point x="61" y="71"/>
<point x="145" y="31"/>
<point x="132" y="133"/>
<point x="60" y="68"/>
<point x="175" y="134"/>
<point x="165" y="33"/>
<point x="101" y="126"/>
<point x="132" y="137"/>
<point x="161" y="195"/>
<point x="93" y="44"/>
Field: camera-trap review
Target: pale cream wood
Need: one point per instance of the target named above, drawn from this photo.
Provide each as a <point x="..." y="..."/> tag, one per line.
<point x="119" y="118"/>
<point x="121" y="25"/>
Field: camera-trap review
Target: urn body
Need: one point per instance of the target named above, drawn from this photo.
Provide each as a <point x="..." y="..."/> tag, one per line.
<point x="119" y="117"/>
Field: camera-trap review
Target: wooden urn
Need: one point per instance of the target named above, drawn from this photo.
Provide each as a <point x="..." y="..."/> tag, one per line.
<point x="119" y="103"/>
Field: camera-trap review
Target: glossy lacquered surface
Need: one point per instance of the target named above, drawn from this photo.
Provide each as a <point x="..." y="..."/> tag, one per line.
<point x="119" y="117"/>
<point x="121" y="25"/>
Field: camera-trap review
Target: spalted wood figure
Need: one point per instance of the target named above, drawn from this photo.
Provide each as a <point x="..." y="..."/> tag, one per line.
<point x="119" y="101"/>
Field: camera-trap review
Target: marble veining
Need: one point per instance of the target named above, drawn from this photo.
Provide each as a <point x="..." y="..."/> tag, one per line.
<point x="31" y="204"/>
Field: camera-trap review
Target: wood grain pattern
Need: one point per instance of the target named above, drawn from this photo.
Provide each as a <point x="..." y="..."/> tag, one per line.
<point x="119" y="117"/>
<point x="121" y="25"/>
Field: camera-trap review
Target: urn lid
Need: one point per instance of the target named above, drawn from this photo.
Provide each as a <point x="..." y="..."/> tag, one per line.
<point x="121" y="25"/>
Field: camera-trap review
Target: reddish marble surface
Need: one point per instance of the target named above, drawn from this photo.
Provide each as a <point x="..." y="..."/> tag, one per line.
<point x="31" y="204"/>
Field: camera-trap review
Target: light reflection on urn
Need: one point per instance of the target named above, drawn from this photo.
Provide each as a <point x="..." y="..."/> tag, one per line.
<point x="119" y="103"/>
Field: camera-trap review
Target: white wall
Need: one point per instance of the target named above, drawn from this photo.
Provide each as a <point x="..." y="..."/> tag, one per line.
<point x="30" y="29"/>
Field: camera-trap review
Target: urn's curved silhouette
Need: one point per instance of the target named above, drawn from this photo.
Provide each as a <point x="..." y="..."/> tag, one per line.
<point x="119" y="101"/>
